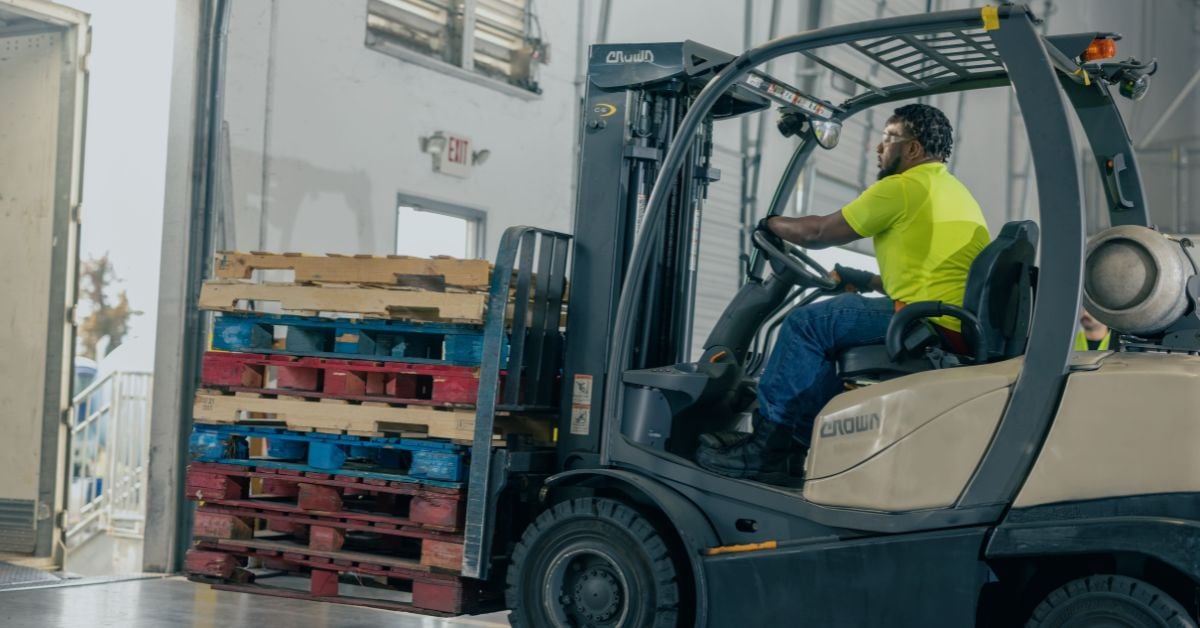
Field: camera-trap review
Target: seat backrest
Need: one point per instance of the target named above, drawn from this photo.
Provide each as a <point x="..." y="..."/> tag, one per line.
<point x="1000" y="289"/>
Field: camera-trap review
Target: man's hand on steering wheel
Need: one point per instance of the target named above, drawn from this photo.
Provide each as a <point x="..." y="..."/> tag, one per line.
<point x="852" y="279"/>
<point x="790" y="260"/>
<point x="764" y="227"/>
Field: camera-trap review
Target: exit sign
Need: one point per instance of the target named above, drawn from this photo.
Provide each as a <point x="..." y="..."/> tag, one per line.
<point x="455" y="160"/>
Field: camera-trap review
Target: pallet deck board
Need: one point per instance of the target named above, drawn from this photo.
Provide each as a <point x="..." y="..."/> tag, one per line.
<point x="327" y="414"/>
<point x="432" y="506"/>
<point x="345" y="472"/>
<point x="350" y="338"/>
<point x="436" y="592"/>
<point x="347" y="519"/>
<point x="465" y="273"/>
<point x="384" y="458"/>
<point x="234" y="519"/>
<point x="368" y="301"/>
<point x="402" y="567"/>
<point x="359" y="380"/>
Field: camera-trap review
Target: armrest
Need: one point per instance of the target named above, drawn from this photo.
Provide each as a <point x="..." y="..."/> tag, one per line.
<point x="921" y="310"/>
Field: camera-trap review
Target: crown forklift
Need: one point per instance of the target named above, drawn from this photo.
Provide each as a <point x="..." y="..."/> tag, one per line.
<point x="1018" y="484"/>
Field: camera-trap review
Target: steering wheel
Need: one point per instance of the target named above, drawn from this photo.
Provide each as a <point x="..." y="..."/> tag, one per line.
<point x="797" y="266"/>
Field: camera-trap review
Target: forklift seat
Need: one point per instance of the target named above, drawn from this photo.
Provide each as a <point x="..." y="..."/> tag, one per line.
<point x="997" y="304"/>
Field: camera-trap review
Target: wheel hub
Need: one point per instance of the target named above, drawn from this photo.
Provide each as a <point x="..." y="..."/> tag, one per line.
<point x="597" y="595"/>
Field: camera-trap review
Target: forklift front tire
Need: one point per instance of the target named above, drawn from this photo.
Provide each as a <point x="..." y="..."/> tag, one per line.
<point x="592" y="562"/>
<point x="1109" y="601"/>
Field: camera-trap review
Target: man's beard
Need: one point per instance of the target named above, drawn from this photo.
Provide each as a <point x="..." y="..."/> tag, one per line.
<point x="888" y="169"/>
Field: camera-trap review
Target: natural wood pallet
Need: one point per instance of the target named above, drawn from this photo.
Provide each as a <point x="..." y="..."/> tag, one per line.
<point x="337" y="416"/>
<point x="377" y="302"/>
<point x="332" y="416"/>
<point x="392" y="269"/>
<point x="365" y="419"/>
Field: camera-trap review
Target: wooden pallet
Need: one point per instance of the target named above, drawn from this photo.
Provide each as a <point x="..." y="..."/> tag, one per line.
<point x="418" y="460"/>
<point x="429" y="506"/>
<point x="227" y="295"/>
<point x="372" y="339"/>
<point x="392" y="269"/>
<point x="430" y="591"/>
<point x="333" y="415"/>
<point x="358" y="380"/>
<point x="330" y="531"/>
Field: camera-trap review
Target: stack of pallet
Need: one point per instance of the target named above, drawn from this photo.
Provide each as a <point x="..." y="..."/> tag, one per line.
<point x="332" y="438"/>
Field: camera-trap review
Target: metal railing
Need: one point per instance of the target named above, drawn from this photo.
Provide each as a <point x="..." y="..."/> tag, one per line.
<point x="110" y="429"/>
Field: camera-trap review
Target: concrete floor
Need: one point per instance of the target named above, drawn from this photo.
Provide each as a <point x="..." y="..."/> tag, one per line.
<point x="169" y="602"/>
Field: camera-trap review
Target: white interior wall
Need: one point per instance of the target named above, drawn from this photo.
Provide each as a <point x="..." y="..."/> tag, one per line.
<point x="1165" y="29"/>
<point x="339" y="123"/>
<point x="324" y="131"/>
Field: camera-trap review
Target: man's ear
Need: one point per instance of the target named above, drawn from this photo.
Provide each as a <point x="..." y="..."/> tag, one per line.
<point x="914" y="151"/>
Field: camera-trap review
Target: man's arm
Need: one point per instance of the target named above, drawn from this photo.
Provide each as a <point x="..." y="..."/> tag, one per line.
<point x="814" y="232"/>
<point x="818" y="232"/>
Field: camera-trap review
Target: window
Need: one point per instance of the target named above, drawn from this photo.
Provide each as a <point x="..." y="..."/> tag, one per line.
<point x="500" y="39"/>
<point x="422" y="231"/>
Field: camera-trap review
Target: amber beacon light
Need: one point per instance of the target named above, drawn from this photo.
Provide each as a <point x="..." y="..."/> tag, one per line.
<point x="1100" y="48"/>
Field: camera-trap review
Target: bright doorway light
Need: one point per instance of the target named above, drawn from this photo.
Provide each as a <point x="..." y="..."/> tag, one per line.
<point x="424" y="233"/>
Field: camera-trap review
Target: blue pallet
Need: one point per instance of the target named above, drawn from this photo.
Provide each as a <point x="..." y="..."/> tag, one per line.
<point x="420" y="460"/>
<point x="370" y="339"/>
<point x="390" y="477"/>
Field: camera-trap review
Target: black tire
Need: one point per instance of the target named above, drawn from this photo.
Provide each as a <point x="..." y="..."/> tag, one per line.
<point x="1109" y="601"/>
<point x="592" y="562"/>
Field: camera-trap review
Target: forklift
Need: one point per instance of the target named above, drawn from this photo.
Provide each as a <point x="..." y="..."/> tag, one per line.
<point x="1021" y="483"/>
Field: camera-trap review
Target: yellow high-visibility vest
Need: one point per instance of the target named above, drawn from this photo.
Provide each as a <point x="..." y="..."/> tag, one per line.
<point x="1081" y="342"/>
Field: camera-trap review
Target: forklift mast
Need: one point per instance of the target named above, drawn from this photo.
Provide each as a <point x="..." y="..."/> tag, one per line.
<point x="637" y="96"/>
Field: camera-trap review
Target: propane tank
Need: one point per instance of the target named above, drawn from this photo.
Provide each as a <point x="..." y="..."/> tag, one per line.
<point x="1135" y="279"/>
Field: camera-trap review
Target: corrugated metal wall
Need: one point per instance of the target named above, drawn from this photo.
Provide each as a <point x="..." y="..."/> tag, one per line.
<point x="720" y="270"/>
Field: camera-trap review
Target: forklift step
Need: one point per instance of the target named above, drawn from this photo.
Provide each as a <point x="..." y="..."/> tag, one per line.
<point x="357" y="380"/>
<point x="368" y="301"/>
<point x="357" y="530"/>
<point x="429" y="592"/>
<point x="430" y="506"/>
<point x="427" y="343"/>
<point x="362" y="269"/>
<point x="393" y="458"/>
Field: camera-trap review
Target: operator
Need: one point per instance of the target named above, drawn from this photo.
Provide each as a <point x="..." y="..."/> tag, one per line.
<point x="927" y="229"/>
<point x="1093" y="335"/>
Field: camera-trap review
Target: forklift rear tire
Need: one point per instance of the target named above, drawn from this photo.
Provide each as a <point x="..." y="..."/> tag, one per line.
<point x="1109" y="601"/>
<point x="592" y="562"/>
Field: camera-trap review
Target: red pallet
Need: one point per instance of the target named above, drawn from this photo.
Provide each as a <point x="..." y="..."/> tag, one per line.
<point x="431" y="507"/>
<point x="235" y="519"/>
<point x="430" y="591"/>
<point x="357" y="380"/>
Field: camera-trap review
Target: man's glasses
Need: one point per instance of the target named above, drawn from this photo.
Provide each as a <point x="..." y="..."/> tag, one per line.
<point x="892" y="138"/>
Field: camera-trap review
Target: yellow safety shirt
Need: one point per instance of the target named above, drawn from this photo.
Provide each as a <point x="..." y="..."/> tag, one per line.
<point x="1081" y="342"/>
<point x="927" y="230"/>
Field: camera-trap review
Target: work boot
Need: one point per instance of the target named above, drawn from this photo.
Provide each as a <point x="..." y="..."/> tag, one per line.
<point x="722" y="439"/>
<point x="762" y="456"/>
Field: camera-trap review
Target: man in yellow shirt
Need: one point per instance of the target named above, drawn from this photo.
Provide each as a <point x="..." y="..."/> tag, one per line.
<point x="927" y="229"/>
<point x="1093" y="335"/>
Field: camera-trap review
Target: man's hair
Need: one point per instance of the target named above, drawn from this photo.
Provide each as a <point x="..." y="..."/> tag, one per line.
<point x="929" y="126"/>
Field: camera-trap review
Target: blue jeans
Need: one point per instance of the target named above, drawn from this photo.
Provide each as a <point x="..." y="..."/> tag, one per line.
<point x="801" y="376"/>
